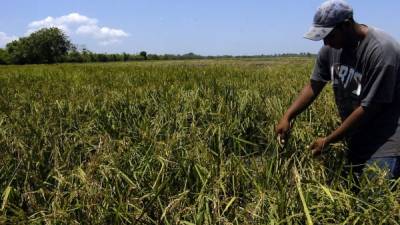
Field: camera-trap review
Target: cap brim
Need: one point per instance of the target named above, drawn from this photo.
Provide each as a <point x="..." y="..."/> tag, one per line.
<point x="318" y="33"/>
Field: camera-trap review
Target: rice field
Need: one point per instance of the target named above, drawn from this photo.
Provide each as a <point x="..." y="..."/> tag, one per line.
<point x="175" y="142"/>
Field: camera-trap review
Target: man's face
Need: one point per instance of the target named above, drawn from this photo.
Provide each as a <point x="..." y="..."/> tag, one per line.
<point x="336" y="38"/>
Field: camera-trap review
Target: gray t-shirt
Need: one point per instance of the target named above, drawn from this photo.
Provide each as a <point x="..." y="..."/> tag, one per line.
<point x="363" y="77"/>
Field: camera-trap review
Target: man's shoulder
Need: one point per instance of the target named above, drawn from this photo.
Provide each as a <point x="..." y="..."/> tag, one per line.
<point x="382" y="41"/>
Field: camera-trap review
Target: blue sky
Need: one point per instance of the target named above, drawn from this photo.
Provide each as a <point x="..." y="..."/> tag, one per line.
<point x="177" y="26"/>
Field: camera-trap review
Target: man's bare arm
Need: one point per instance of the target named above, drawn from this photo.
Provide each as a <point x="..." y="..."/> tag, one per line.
<point x="360" y="116"/>
<point x="307" y="95"/>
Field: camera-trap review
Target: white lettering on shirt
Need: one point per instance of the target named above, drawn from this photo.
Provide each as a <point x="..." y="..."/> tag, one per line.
<point x="347" y="75"/>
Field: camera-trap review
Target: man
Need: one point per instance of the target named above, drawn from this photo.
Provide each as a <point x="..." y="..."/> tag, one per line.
<point x="363" y="65"/>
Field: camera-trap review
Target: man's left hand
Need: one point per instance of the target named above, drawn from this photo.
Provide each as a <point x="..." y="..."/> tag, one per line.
<point x="318" y="146"/>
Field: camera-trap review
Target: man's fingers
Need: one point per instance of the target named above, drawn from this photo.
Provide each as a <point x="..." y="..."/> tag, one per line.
<point x="281" y="140"/>
<point x="315" y="148"/>
<point x="316" y="152"/>
<point x="313" y="152"/>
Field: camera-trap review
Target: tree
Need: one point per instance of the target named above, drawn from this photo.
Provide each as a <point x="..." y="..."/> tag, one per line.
<point x="74" y="56"/>
<point x="48" y="45"/>
<point x="18" y="51"/>
<point x="87" y="56"/>
<point x="4" y="57"/>
<point x="125" y="56"/>
<point x="143" y="54"/>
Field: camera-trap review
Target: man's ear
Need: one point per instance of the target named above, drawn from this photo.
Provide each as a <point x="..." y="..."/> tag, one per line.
<point x="348" y="24"/>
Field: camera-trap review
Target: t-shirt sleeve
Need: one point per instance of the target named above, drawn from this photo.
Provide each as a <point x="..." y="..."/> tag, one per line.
<point x="321" y="69"/>
<point x="379" y="82"/>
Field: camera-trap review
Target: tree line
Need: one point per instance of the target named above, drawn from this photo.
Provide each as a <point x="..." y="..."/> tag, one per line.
<point x="51" y="45"/>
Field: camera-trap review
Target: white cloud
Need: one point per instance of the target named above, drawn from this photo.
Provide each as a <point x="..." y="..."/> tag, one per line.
<point x="4" y="39"/>
<point x="75" y="23"/>
<point x="70" y="19"/>
<point x="101" y="32"/>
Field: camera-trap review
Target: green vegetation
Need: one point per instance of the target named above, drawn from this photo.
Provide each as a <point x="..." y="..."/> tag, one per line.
<point x="48" y="45"/>
<point x="51" y="45"/>
<point x="4" y="57"/>
<point x="174" y="142"/>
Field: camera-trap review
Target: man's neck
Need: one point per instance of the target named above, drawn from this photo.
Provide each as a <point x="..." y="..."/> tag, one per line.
<point x="360" y="31"/>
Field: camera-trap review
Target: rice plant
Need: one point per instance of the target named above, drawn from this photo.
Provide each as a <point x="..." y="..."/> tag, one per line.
<point x="176" y="142"/>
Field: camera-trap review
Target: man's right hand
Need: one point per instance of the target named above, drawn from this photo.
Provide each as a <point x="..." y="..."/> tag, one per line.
<point x="306" y="97"/>
<point x="282" y="130"/>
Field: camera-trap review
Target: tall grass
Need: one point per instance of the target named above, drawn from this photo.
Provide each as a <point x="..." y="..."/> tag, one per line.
<point x="182" y="142"/>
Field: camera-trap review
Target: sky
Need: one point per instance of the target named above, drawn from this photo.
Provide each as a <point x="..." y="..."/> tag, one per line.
<point x="206" y="27"/>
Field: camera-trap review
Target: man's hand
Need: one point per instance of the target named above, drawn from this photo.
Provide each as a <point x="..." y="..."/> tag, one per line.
<point x="282" y="130"/>
<point x="318" y="146"/>
<point x="358" y="116"/>
<point x="310" y="91"/>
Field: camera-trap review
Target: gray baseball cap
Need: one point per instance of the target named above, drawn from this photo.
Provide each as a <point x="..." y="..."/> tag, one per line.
<point x="328" y="15"/>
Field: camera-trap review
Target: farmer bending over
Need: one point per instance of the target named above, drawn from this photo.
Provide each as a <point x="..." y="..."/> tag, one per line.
<point x="362" y="64"/>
